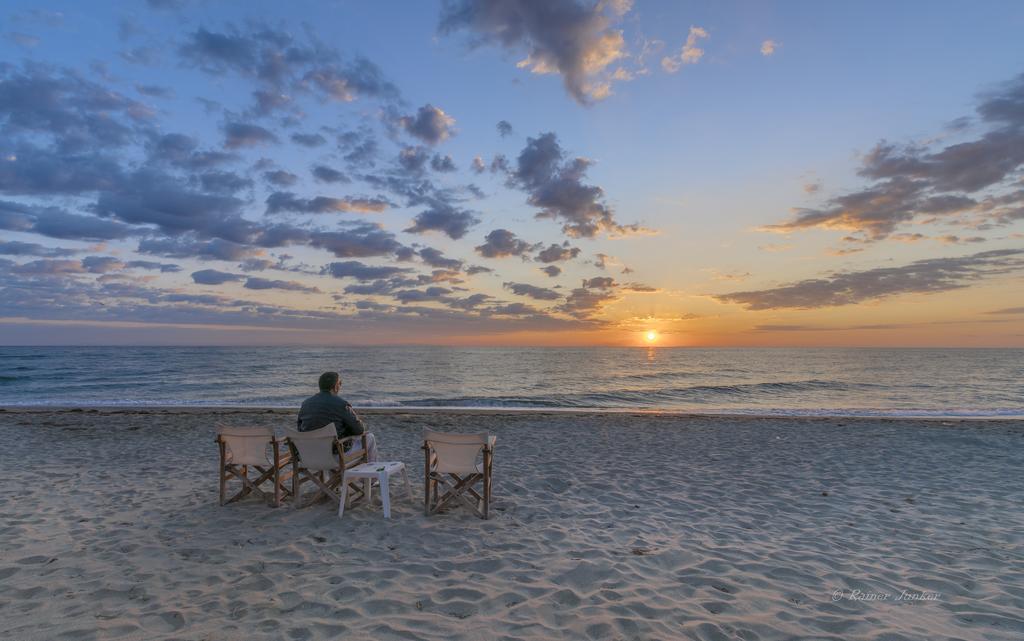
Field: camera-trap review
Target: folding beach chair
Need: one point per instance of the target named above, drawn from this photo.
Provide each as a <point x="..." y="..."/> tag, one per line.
<point x="319" y="457"/>
<point x="450" y="466"/>
<point x="242" y="448"/>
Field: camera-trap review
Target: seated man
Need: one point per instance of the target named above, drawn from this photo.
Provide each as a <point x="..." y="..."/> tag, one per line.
<point x="327" y="407"/>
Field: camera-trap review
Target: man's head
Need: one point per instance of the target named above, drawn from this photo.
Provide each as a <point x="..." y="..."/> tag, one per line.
<point x="330" y="382"/>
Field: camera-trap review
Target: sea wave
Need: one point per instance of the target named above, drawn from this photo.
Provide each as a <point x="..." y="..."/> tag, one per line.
<point x="645" y="397"/>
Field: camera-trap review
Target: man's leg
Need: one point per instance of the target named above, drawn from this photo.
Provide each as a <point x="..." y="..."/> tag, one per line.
<point x="371" y="448"/>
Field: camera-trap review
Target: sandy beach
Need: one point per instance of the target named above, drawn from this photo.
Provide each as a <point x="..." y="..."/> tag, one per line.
<point x="604" y="526"/>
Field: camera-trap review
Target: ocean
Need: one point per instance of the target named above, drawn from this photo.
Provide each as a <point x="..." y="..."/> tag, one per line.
<point x="764" y="381"/>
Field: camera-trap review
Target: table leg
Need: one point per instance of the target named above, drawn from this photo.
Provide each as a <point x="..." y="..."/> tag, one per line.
<point x="368" y="490"/>
<point x="385" y="494"/>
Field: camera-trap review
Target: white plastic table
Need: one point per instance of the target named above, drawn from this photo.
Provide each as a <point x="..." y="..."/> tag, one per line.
<point x="382" y="472"/>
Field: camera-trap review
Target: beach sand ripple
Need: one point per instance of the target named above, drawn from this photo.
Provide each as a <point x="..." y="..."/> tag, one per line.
<point x="604" y="527"/>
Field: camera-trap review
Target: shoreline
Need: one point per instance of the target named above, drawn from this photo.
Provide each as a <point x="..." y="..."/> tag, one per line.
<point x="498" y="411"/>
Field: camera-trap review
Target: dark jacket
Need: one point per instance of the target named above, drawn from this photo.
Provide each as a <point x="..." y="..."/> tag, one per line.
<point x="323" y="408"/>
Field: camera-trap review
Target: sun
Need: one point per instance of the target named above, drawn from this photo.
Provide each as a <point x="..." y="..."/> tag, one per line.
<point x="651" y="336"/>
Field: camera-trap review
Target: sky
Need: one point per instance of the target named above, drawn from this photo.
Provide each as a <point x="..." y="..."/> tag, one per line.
<point x="508" y="172"/>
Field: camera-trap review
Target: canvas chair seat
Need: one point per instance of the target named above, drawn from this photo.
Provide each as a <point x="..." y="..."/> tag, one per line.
<point x="316" y="447"/>
<point x="451" y="470"/>
<point x="242" y="448"/>
<point x="247" y="445"/>
<point x="320" y="458"/>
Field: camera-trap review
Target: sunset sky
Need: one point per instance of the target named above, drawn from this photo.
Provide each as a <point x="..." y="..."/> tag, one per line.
<point x="512" y="173"/>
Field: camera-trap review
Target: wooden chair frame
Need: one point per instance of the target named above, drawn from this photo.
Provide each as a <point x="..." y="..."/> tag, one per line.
<point x="273" y="471"/>
<point x="440" y="489"/>
<point x="328" y="482"/>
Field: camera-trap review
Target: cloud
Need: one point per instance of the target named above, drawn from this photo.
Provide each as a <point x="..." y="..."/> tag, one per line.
<point x="253" y="282"/>
<point x="690" y="53"/>
<point x="639" y="288"/>
<point x="443" y="164"/>
<point x="182" y="151"/>
<point x="848" y="288"/>
<point x="916" y="181"/>
<point x="361" y="271"/>
<point x="214" y="277"/>
<point x="551" y="270"/>
<point x="76" y="113"/>
<point x="768" y="47"/>
<point x="242" y="134"/>
<point x="267" y="102"/>
<point x="504" y="128"/>
<point x="380" y="287"/>
<point x="600" y="282"/>
<point x="567" y="37"/>
<point x="360" y="241"/>
<point x="257" y="264"/>
<point x="326" y="174"/>
<point x="49" y="267"/>
<point x="308" y="140"/>
<point x="557" y="253"/>
<point x="413" y="159"/>
<point x="152" y="198"/>
<point x="879" y="210"/>
<point x="223" y="182"/>
<point x="514" y="309"/>
<point x="33" y="171"/>
<point x="284" y="201"/>
<point x="501" y="243"/>
<point x="555" y="186"/>
<point x="345" y="82"/>
<point x="218" y="53"/>
<point x="532" y="291"/>
<point x="1008" y="310"/>
<point x="444" y="217"/>
<point x="57" y="223"/>
<point x="953" y="239"/>
<point x="154" y="91"/>
<point x="587" y="303"/>
<point x="435" y="258"/>
<point x="102" y="264"/>
<point x="360" y="147"/>
<point x="280" y="178"/>
<point x="469" y="302"/>
<point x="430" y="124"/>
<point x="148" y="264"/>
<point x="967" y="166"/>
<point x="17" y="248"/>
<point x="418" y="296"/>
<point x="187" y="247"/>
<point x="167" y="4"/>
